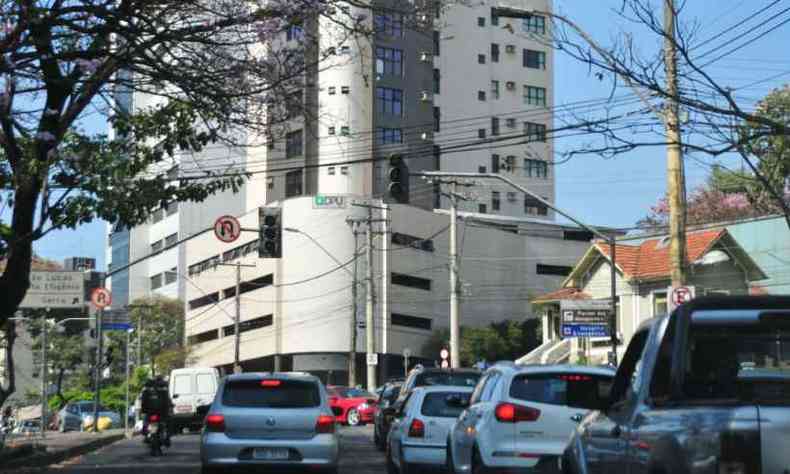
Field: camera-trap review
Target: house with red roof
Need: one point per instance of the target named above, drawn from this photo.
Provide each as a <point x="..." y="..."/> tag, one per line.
<point x="716" y="264"/>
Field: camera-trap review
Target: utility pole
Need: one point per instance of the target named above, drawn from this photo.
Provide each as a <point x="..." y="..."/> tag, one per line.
<point x="676" y="181"/>
<point x="237" y="316"/>
<point x="455" y="323"/>
<point x="370" y="334"/>
<point x="126" y="405"/>
<point x="352" y="353"/>
<point x="97" y="381"/>
<point x="44" y="376"/>
<point x="385" y="279"/>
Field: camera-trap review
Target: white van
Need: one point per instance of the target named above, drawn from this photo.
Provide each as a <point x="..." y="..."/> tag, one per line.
<point x="189" y="389"/>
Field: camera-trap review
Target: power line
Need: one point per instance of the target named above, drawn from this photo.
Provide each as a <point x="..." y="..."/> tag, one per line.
<point x="738" y="24"/>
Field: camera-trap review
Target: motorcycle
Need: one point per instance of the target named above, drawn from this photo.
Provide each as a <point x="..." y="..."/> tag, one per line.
<point x="156" y="434"/>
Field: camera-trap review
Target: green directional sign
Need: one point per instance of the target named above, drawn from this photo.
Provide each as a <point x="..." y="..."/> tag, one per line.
<point x="329" y="202"/>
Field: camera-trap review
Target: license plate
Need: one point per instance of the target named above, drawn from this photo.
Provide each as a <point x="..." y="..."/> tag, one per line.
<point x="183" y="408"/>
<point x="270" y="454"/>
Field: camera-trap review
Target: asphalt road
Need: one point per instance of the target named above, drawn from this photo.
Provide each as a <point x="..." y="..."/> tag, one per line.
<point x="358" y="456"/>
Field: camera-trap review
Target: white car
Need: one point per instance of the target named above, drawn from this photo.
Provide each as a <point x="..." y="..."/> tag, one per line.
<point x="520" y="417"/>
<point x="191" y="388"/>
<point x="417" y="436"/>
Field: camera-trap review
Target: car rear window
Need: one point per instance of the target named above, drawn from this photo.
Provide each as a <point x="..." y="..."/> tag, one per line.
<point x="278" y="394"/>
<point x="447" y="378"/>
<point x="567" y="389"/>
<point x="182" y="384"/>
<point x="435" y="404"/>
<point x="206" y="384"/>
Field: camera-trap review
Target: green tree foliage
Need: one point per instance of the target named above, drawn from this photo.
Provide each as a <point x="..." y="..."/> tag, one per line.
<point x="506" y="340"/>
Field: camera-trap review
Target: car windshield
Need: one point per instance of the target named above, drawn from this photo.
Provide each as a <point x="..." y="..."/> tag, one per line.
<point x="271" y="394"/>
<point x="452" y="379"/>
<point x="568" y="389"/>
<point x="436" y="404"/>
<point x="738" y="362"/>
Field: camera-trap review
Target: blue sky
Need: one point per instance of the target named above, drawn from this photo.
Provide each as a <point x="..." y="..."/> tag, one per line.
<point x="612" y="192"/>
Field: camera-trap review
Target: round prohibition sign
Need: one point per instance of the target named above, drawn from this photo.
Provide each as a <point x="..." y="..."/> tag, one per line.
<point x="101" y="298"/>
<point x="681" y="295"/>
<point x="227" y="229"/>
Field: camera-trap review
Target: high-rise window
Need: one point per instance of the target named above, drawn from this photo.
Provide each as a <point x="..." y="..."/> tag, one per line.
<point x="156" y="281"/>
<point x="388" y="24"/>
<point x="535" y="132"/>
<point x="481" y="21"/>
<point x="534" y="59"/>
<point x="388" y="136"/>
<point x="293" y="104"/>
<point x="494" y="125"/>
<point x="535" y="168"/>
<point x="534" y="24"/>
<point x="389" y="61"/>
<point x="495" y="163"/>
<point x="495" y="89"/>
<point x="495" y="202"/>
<point x="293" y="183"/>
<point x="494" y="18"/>
<point x="534" y="207"/>
<point x="437" y="81"/>
<point x="437" y="119"/>
<point x="494" y="53"/>
<point x="481" y="95"/>
<point x="482" y="208"/>
<point x="389" y="101"/>
<point x="436" y="43"/>
<point x="481" y="133"/>
<point x="535" y="95"/>
<point x="481" y="58"/>
<point x="293" y="144"/>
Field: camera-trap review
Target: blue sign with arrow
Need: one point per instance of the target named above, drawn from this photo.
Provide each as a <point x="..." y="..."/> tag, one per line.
<point x="584" y="330"/>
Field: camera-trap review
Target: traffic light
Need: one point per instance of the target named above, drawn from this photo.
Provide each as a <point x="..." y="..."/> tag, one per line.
<point x="270" y="232"/>
<point x="398" y="180"/>
<point x="108" y="356"/>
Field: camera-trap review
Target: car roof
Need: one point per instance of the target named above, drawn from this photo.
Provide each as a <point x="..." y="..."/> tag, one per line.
<point x="563" y="369"/>
<point x="463" y="370"/>
<point x="443" y="388"/>
<point x="302" y="376"/>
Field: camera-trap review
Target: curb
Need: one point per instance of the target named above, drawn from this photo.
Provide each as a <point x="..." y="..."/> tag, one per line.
<point x="43" y="460"/>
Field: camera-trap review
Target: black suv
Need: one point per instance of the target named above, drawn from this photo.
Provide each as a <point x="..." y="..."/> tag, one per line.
<point x="389" y="393"/>
<point x="421" y="377"/>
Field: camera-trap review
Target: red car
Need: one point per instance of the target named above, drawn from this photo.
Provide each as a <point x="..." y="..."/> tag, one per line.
<point x="352" y="406"/>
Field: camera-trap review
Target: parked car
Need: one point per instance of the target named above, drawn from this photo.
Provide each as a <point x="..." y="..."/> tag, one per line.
<point x="74" y="415"/>
<point x="520" y="417"/>
<point x="702" y="390"/>
<point x="27" y="427"/>
<point x="269" y="419"/>
<point x="352" y="406"/>
<point x="389" y="393"/>
<point x="421" y="376"/>
<point x="189" y="389"/>
<point x="417" y="437"/>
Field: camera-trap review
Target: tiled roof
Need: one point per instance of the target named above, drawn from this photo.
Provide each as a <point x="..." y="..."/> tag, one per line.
<point x="650" y="259"/>
<point x="37" y="264"/>
<point x="562" y="294"/>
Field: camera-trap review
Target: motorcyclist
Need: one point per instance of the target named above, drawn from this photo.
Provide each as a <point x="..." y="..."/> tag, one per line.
<point x="155" y="400"/>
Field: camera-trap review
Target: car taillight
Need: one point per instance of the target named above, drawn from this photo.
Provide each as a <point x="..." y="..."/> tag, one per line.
<point x="215" y="423"/>
<point x="270" y="383"/>
<point x="416" y="429"/>
<point x="510" y="413"/>
<point x="325" y="424"/>
<point x="575" y="378"/>
<point x="153" y="419"/>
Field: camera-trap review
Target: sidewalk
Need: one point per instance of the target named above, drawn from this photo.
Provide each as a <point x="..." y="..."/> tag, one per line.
<point x="57" y="447"/>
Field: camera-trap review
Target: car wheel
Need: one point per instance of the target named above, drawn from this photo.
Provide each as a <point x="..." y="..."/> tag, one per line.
<point x="477" y="462"/>
<point x="391" y="469"/>
<point x="352" y="417"/>
<point x="449" y="463"/>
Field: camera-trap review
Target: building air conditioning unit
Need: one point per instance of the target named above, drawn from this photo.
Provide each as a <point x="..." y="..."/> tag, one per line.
<point x="425" y="96"/>
<point x="510" y="49"/>
<point x="510" y="85"/>
<point x="426" y="57"/>
<point x="511" y="123"/>
<point x="511" y="197"/>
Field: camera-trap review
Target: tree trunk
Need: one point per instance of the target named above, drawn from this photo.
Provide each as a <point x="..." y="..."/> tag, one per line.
<point x="15" y="279"/>
<point x="9" y="330"/>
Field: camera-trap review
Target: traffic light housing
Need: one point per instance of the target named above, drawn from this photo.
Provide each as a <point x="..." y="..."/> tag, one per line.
<point x="398" y="188"/>
<point x="270" y="232"/>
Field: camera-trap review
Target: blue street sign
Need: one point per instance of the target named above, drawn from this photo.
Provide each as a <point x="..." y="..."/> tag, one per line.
<point x="116" y="327"/>
<point x="584" y="330"/>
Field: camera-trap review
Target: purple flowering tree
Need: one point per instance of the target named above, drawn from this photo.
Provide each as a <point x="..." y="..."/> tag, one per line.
<point x="213" y="67"/>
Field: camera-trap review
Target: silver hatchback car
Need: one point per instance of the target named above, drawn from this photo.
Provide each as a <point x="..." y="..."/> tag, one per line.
<point x="270" y="419"/>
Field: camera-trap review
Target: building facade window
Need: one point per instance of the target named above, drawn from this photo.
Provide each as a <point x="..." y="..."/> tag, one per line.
<point x="330" y="131"/>
<point x="345" y="131"/>
<point x="157" y="246"/>
<point x="171" y="240"/>
<point x="557" y="270"/>
<point x="437" y="119"/>
<point x="481" y="96"/>
<point x="495" y="163"/>
<point x="171" y="208"/>
<point x="494" y="125"/>
<point x="534" y="24"/>
<point x="293" y="144"/>
<point x="482" y="209"/>
<point x="437" y="81"/>
<point x="481" y="169"/>
<point x="660" y="306"/>
<point x="332" y="90"/>
<point x="389" y="101"/>
<point x="533" y="207"/>
<point x="494" y="53"/>
<point x="293" y="183"/>
<point x="156" y="281"/>
<point x="436" y="43"/>
<point x="534" y="59"/>
<point x="411" y="321"/>
<point x="536" y="168"/>
<point x="481" y="59"/>
<point x="412" y="241"/>
<point x="388" y="24"/>
<point x="494" y="18"/>
<point x="481" y="21"/>
<point x="345" y="90"/>
<point x="535" y="132"/>
<point x="171" y="276"/>
<point x="535" y="96"/>
<point x="389" y="61"/>
<point x="481" y="133"/>
<point x="202" y="337"/>
<point x="411" y="281"/>
<point x="270" y="182"/>
<point x="495" y="200"/>
<point x="294" y="105"/>
<point x="330" y="171"/>
<point x="388" y="136"/>
<point x="495" y="89"/>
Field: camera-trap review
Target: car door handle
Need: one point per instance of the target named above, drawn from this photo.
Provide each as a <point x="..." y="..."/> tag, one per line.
<point x="577" y="417"/>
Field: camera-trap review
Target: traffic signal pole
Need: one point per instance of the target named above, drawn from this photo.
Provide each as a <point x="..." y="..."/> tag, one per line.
<point x="97" y="381"/>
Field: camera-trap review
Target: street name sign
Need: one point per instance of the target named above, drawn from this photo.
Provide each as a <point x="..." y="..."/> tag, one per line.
<point x="585" y="318"/>
<point x="115" y="320"/>
<point x="55" y="289"/>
